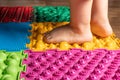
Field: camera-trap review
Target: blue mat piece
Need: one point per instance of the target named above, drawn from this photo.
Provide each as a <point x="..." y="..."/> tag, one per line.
<point x="14" y="36"/>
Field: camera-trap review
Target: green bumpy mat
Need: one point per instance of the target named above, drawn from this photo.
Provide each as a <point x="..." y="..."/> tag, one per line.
<point x="10" y="65"/>
<point x="51" y="13"/>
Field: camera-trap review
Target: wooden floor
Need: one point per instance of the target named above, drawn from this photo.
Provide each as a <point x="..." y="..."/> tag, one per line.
<point x="114" y="8"/>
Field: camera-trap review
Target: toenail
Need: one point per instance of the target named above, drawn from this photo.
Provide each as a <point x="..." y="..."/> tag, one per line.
<point x="49" y="37"/>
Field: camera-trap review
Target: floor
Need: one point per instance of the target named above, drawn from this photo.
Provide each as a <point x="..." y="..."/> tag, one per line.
<point x="114" y="8"/>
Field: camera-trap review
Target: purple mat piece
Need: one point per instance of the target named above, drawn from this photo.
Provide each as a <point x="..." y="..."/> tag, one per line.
<point x="74" y="64"/>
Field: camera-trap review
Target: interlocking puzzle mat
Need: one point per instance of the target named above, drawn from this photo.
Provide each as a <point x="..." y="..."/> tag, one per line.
<point x="10" y="65"/>
<point x="37" y="43"/>
<point x="52" y="13"/>
<point x="74" y="64"/>
<point x="60" y="62"/>
<point x="13" y="36"/>
<point x="15" y="14"/>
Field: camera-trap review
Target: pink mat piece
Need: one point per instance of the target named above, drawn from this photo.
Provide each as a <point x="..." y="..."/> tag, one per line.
<point x="74" y="64"/>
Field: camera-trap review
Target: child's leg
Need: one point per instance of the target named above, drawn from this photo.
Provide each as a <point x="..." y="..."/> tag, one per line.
<point x="79" y="29"/>
<point x="99" y="21"/>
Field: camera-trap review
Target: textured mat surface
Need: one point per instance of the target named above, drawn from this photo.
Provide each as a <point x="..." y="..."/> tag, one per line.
<point x="15" y="14"/>
<point x="52" y="13"/>
<point x="37" y="43"/>
<point x="13" y="36"/>
<point x="10" y="65"/>
<point x="74" y="64"/>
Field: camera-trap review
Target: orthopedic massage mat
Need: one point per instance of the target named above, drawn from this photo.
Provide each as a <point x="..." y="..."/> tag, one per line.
<point x="15" y="14"/>
<point x="13" y="36"/>
<point x="38" y="60"/>
<point x="10" y="65"/>
<point x="37" y="43"/>
<point x="74" y="64"/>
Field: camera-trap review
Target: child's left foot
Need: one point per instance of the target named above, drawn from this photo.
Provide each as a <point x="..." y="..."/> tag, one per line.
<point x="66" y="33"/>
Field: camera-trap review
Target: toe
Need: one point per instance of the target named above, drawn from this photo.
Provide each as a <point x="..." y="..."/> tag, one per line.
<point x="47" y="38"/>
<point x="46" y="34"/>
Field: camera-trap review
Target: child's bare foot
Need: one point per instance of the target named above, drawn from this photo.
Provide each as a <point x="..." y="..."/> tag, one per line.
<point x="68" y="34"/>
<point x="80" y="31"/>
<point x="100" y="28"/>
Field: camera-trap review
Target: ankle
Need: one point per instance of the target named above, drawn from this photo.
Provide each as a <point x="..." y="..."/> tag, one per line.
<point x="96" y="20"/>
<point x="80" y="28"/>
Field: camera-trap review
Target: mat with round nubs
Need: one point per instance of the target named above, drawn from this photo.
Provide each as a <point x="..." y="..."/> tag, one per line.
<point x="74" y="64"/>
<point x="10" y="65"/>
<point x="38" y="44"/>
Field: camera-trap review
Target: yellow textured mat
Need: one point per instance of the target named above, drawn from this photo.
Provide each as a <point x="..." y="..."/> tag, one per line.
<point x="37" y="43"/>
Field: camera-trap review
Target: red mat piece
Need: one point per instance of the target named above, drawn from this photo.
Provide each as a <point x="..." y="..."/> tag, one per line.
<point x="15" y="14"/>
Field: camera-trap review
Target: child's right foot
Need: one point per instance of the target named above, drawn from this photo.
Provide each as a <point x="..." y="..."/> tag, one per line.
<point x="99" y="19"/>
